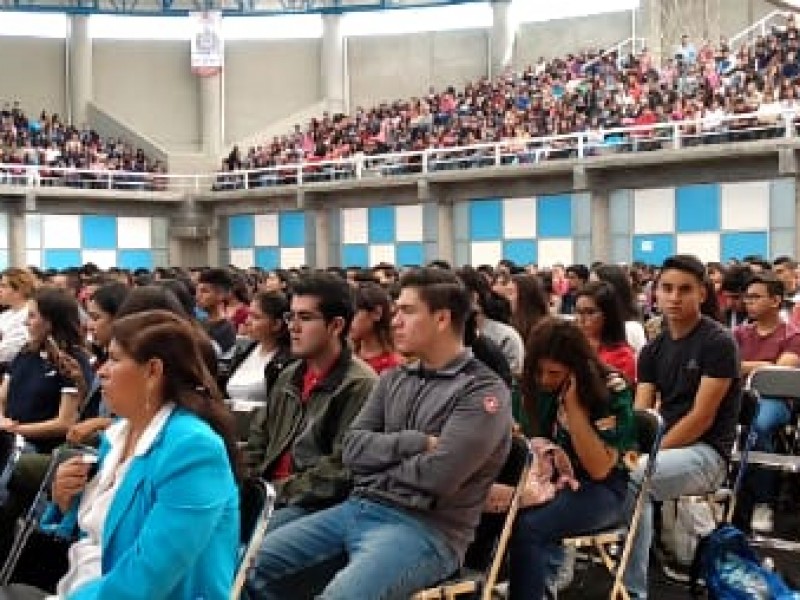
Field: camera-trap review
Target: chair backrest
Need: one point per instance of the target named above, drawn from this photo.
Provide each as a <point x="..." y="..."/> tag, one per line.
<point x="649" y="430"/>
<point x="256" y="502"/>
<point x="775" y="382"/>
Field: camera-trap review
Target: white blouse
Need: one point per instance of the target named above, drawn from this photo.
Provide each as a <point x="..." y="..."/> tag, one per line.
<point x="247" y="381"/>
<point x="85" y="555"/>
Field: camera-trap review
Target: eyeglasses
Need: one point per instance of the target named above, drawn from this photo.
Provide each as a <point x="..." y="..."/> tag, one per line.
<point x="302" y="317"/>
<point x="586" y="312"/>
<point x="753" y="297"/>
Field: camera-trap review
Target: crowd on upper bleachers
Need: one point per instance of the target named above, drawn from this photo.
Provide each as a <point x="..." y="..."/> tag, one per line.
<point x="385" y="401"/>
<point x="700" y="85"/>
<point x="71" y="156"/>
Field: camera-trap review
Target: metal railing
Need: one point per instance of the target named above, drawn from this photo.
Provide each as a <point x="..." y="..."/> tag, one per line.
<point x="509" y="153"/>
<point x="760" y="27"/>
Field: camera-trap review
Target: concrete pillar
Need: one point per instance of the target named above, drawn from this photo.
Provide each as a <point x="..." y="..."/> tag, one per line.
<point x="504" y="30"/>
<point x="16" y="237"/>
<point x="321" y="239"/>
<point x="446" y="232"/>
<point x="332" y="67"/>
<point x="601" y="226"/>
<point x="211" y="114"/>
<point x="79" y="77"/>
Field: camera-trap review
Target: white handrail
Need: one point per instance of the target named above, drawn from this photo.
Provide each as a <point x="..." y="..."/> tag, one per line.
<point x="759" y="26"/>
<point x="507" y="153"/>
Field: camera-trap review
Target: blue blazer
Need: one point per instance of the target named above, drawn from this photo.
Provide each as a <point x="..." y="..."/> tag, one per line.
<point x="172" y="531"/>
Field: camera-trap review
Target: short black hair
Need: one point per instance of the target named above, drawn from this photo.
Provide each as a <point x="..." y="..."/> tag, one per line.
<point x="769" y="280"/>
<point x="580" y="271"/>
<point x="219" y="278"/>
<point x="736" y="279"/>
<point x="687" y="263"/>
<point x="441" y="289"/>
<point x="334" y="294"/>
<point x="785" y="260"/>
<point x="110" y="297"/>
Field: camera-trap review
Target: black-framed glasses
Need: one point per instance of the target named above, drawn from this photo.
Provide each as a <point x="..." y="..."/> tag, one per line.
<point x="301" y="317"/>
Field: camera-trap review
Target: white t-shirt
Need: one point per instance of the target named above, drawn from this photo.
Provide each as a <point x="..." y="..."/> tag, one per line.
<point x="634" y="333"/>
<point x="247" y="381"/>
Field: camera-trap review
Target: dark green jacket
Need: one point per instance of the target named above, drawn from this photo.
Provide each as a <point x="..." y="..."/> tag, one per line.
<point x="313" y="431"/>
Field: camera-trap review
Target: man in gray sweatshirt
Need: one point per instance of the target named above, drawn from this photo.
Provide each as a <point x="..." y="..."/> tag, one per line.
<point x="424" y="451"/>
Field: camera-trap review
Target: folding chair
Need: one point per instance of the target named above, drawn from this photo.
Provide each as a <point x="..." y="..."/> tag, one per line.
<point x="487" y="553"/>
<point x="650" y="430"/>
<point x="256" y="503"/>
<point x="11" y="446"/>
<point x="775" y="383"/>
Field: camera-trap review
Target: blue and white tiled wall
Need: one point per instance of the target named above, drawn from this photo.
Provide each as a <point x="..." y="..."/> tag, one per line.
<point x="4" y="242"/>
<point x="544" y="230"/>
<point x="716" y="222"/>
<point x="61" y="241"/>
<point x="392" y="234"/>
<point x="268" y="241"/>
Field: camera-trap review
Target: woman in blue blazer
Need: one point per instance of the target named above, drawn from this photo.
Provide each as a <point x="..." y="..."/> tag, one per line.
<point x="160" y="520"/>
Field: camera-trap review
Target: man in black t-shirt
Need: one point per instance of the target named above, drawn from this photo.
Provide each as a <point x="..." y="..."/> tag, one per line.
<point x="213" y="288"/>
<point x="691" y="372"/>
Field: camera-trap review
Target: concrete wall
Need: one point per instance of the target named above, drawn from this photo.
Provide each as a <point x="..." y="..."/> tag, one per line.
<point x="268" y="80"/>
<point x="562" y="36"/>
<point x="385" y="68"/>
<point x="149" y="85"/>
<point x="34" y="73"/>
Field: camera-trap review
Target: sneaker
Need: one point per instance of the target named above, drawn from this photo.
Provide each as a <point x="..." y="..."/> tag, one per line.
<point x="763" y="518"/>
<point x="566" y="572"/>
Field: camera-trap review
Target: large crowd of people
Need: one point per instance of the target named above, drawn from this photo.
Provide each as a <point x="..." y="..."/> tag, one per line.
<point x="70" y="156"/>
<point x="701" y="86"/>
<point x="386" y="400"/>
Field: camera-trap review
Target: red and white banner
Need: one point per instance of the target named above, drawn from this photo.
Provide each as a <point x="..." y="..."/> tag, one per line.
<point x="208" y="45"/>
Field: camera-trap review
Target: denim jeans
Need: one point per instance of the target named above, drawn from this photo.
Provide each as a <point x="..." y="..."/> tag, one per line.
<point x="693" y="470"/>
<point x="285" y="515"/>
<point x="536" y="550"/>
<point x="357" y="549"/>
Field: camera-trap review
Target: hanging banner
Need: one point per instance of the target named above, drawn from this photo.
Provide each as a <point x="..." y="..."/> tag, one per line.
<point x="208" y="49"/>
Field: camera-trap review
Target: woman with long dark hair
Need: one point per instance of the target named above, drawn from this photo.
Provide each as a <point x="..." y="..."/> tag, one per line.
<point x="528" y="303"/>
<point x="597" y="313"/>
<point x="161" y="516"/>
<point x="371" y="330"/>
<point x="256" y="367"/>
<point x="619" y="279"/>
<point x="571" y="405"/>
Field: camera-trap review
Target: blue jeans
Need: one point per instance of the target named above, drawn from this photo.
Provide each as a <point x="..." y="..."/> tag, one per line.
<point x="285" y="515"/>
<point x="357" y="549"/>
<point x="536" y="548"/>
<point x="772" y="415"/>
<point x="694" y="470"/>
<point x="760" y="483"/>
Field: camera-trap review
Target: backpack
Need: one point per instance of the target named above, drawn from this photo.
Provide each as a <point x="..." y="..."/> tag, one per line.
<point x="733" y="571"/>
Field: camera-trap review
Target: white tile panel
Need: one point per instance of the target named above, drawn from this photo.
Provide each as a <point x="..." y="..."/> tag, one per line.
<point x="486" y="253"/>
<point x="379" y="253"/>
<point x="551" y="252"/>
<point x="33" y="231"/>
<point x="4" y="242"/>
<point x="33" y="258"/>
<point x="354" y="226"/>
<point x="61" y="231"/>
<point x="745" y="206"/>
<point x="134" y="233"/>
<point x="243" y="258"/>
<point x="409" y="223"/>
<point x="293" y="257"/>
<point x="519" y="218"/>
<point x="266" y="227"/>
<point x="654" y="211"/>
<point x="105" y="259"/>
<point x="705" y="246"/>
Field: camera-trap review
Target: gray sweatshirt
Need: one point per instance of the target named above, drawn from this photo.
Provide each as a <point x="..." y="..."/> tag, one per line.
<point x="468" y="408"/>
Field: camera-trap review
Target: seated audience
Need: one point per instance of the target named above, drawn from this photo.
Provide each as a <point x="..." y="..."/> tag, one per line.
<point x="174" y="441"/>
<point x="213" y="288"/>
<point x="597" y="313"/>
<point x="16" y="288"/>
<point x="371" y="332"/>
<point x="266" y="354"/>
<point x="619" y="279"/>
<point x="569" y="404"/>
<point x="765" y="340"/>
<point x="424" y="452"/>
<point x="690" y="372"/>
<point x="296" y="439"/>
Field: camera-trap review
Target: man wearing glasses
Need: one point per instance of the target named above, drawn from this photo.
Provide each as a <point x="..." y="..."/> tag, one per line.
<point x="295" y="440"/>
<point x="424" y="452"/>
<point x="766" y="340"/>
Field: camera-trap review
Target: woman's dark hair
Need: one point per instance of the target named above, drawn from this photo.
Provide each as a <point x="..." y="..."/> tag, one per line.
<point x="613" y="332"/>
<point x="619" y="280"/>
<point x="152" y="297"/>
<point x="710" y="306"/>
<point x="532" y="304"/>
<point x="182" y="292"/>
<point x="369" y="296"/>
<point x="187" y="382"/>
<point x="110" y="297"/>
<point x="60" y="309"/>
<point x="275" y="304"/>
<point x="240" y="291"/>
<point x="562" y="342"/>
